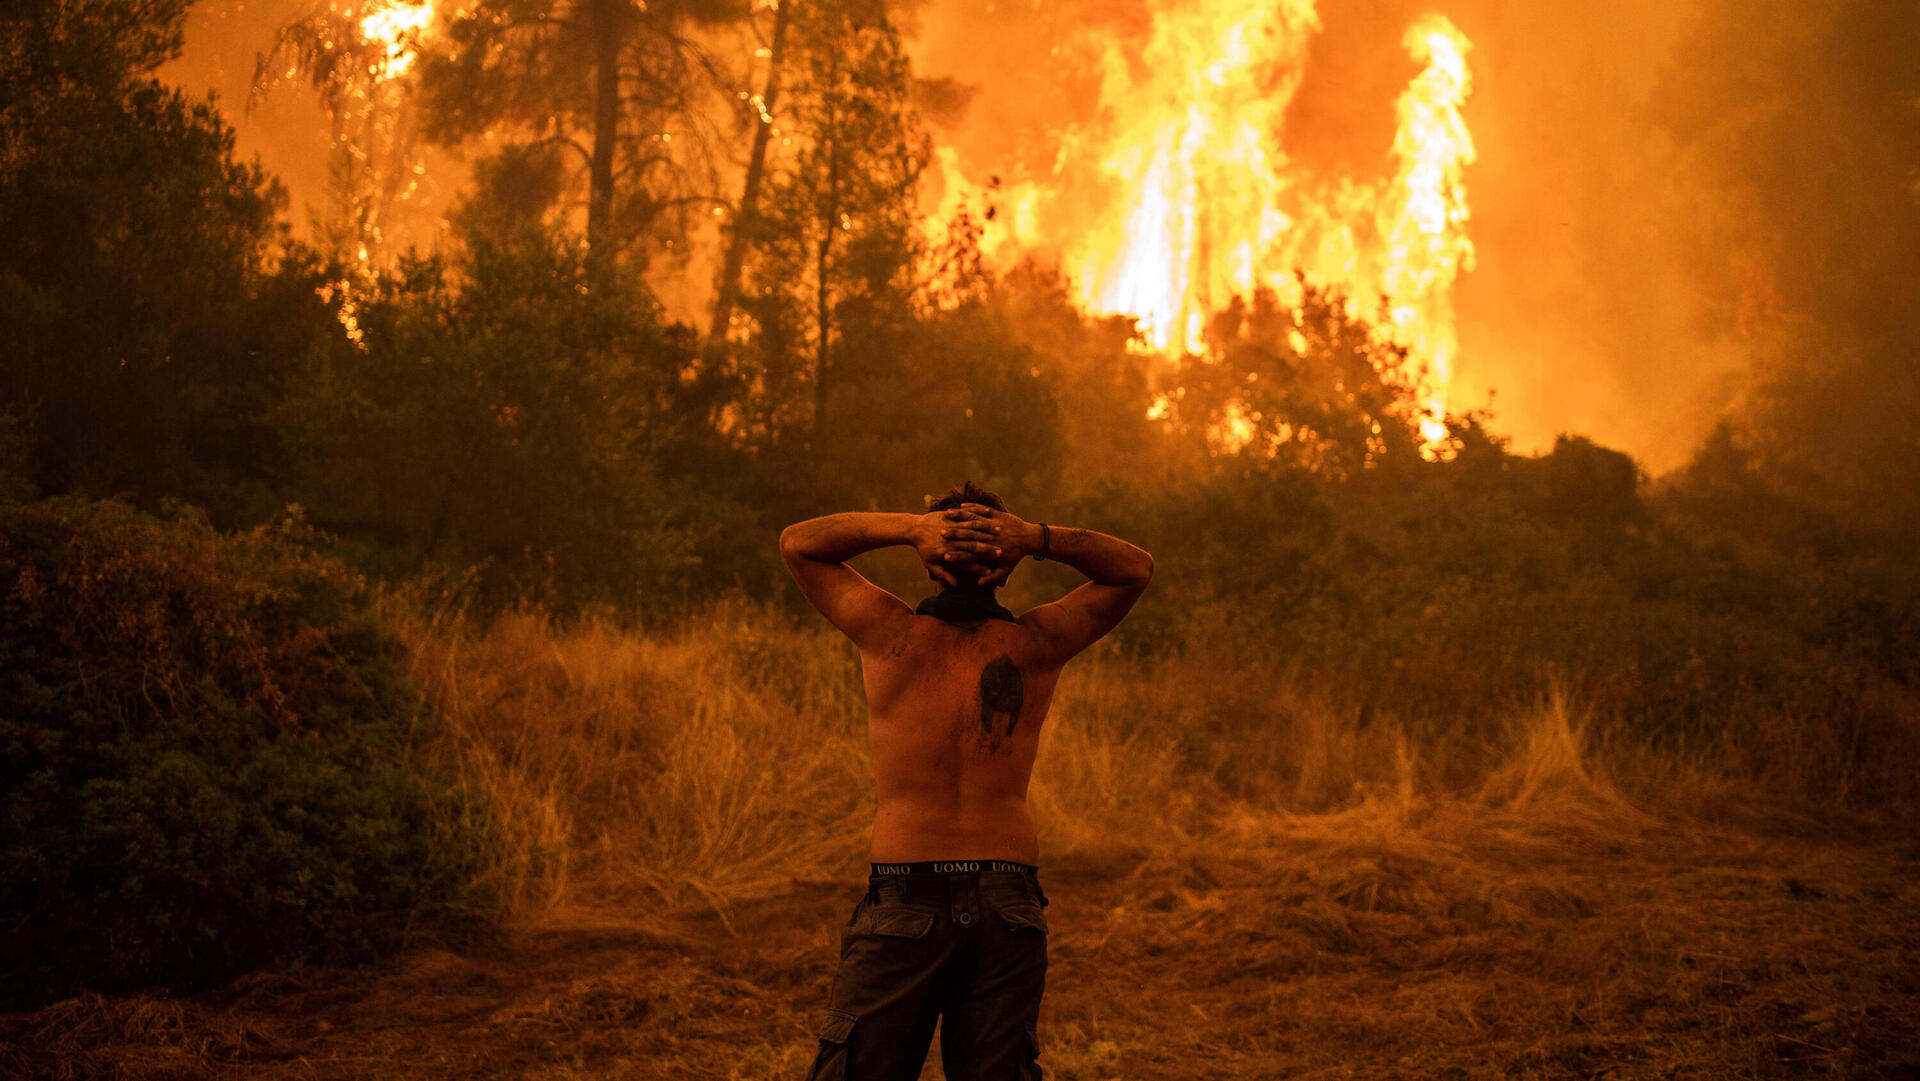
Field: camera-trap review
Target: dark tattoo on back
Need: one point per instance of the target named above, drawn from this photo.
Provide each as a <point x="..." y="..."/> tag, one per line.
<point x="1001" y="696"/>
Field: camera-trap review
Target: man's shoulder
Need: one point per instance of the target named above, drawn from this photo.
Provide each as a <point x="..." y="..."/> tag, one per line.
<point x="1043" y="619"/>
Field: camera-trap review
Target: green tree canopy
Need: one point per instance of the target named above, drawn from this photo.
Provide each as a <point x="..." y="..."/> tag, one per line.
<point x="503" y="411"/>
<point x="619" y="86"/>
<point x="148" y="319"/>
<point x="834" y="242"/>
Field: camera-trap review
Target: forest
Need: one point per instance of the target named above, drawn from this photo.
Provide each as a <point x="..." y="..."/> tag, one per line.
<point x="401" y="677"/>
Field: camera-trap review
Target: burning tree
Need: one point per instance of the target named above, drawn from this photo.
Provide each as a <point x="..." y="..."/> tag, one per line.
<point x="620" y="88"/>
<point x="1178" y="194"/>
<point x="833" y="241"/>
<point x="362" y="62"/>
<point x="1306" y="385"/>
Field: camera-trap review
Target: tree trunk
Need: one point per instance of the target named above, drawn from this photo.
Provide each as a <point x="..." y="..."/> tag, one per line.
<point x="829" y="136"/>
<point x="606" y="27"/>
<point x="823" y="264"/>
<point x="822" y="315"/>
<point x="727" y="289"/>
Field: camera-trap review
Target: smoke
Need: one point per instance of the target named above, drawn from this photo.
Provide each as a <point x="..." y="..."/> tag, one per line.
<point x="287" y="132"/>
<point x="285" y="127"/>
<point x="1801" y="128"/>
<point x="1681" y="208"/>
<point x="1627" y="220"/>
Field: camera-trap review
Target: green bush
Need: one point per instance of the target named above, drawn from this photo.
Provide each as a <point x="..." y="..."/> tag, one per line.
<point x="204" y="758"/>
<point x="1450" y="593"/>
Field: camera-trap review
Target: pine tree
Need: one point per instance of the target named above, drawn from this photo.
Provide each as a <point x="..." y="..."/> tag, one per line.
<point x="619" y="85"/>
<point x="835" y="242"/>
<point x="149" y="301"/>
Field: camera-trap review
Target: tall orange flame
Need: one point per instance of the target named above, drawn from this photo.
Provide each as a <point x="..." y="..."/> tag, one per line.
<point x="368" y="139"/>
<point x="1427" y="242"/>
<point x="1197" y="164"/>
<point x="1181" y="195"/>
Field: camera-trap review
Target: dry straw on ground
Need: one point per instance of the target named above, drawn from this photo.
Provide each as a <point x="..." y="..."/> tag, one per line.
<point x="1248" y="882"/>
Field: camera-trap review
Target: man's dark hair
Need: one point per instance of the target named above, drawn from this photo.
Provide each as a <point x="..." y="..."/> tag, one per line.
<point x="965" y="493"/>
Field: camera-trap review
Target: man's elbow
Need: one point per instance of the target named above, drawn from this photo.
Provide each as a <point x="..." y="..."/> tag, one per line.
<point x="1131" y="574"/>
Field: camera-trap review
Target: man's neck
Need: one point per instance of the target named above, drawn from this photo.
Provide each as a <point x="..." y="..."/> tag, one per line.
<point x="964" y="604"/>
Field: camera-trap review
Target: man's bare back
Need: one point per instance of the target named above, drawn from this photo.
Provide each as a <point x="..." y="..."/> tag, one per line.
<point x="954" y="717"/>
<point x="952" y="928"/>
<point x="955" y="707"/>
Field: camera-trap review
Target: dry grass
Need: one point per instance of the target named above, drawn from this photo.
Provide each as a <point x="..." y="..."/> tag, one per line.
<point x="1248" y="883"/>
<point x="711" y="762"/>
<point x="727" y="757"/>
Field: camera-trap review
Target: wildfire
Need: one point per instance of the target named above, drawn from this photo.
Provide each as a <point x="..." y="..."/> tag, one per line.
<point x="399" y="26"/>
<point x="1197" y="164"/>
<point x="1181" y="195"/>
<point x="1427" y="243"/>
<point x="372" y="142"/>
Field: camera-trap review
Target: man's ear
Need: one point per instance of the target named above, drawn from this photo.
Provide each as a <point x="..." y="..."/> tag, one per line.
<point x="971" y="572"/>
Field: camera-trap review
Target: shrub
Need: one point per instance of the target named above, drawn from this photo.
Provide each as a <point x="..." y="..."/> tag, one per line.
<point x="204" y="757"/>
<point x="1447" y="595"/>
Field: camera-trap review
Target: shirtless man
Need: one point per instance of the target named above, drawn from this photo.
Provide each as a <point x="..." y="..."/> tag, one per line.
<point x="951" y="927"/>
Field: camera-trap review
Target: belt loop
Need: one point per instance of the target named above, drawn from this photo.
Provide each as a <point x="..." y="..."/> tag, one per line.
<point x="965" y="898"/>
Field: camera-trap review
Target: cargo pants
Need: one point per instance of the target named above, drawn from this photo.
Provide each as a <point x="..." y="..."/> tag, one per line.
<point x="966" y="950"/>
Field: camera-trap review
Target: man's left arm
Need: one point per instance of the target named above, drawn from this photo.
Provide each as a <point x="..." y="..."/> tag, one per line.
<point x="817" y="551"/>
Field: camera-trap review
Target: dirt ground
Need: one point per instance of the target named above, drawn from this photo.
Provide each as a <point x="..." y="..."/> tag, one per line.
<point x="1452" y="941"/>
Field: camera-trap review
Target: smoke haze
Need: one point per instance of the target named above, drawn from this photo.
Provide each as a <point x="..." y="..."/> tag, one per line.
<point x="285" y="126"/>
<point x="1662" y="190"/>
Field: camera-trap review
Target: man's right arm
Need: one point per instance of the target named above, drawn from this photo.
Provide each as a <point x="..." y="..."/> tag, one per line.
<point x="817" y="550"/>
<point x="1117" y="573"/>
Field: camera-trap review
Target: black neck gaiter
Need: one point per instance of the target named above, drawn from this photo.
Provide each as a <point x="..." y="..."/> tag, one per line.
<point x="963" y="606"/>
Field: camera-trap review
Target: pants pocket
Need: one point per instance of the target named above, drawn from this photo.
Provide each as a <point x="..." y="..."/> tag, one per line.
<point x="848" y="929"/>
<point x="902" y="921"/>
<point x="1024" y="916"/>
<point x="835" y="1029"/>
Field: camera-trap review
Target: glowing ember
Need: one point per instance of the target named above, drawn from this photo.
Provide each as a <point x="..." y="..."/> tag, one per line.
<point x="348" y="313"/>
<point x="1180" y="195"/>
<point x="399" y="27"/>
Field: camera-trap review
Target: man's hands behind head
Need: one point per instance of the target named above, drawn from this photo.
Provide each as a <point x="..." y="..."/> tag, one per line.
<point x="951" y="555"/>
<point x="968" y="545"/>
<point x="984" y="543"/>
